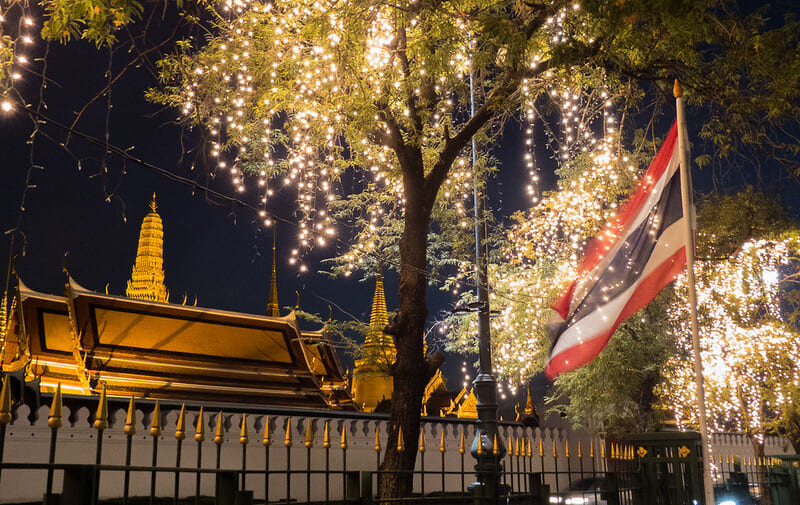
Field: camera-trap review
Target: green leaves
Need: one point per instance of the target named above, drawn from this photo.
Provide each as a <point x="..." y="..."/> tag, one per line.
<point x="93" y="20"/>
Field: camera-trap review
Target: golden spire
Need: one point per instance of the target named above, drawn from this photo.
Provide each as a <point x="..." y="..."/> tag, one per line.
<point x="372" y="381"/>
<point x="529" y="408"/>
<point x="273" y="310"/>
<point x="377" y="344"/>
<point x="147" y="277"/>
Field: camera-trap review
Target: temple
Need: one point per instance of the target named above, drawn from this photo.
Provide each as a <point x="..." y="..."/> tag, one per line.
<point x="372" y="380"/>
<point x="144" y="346"/>
<point x="147" y="277"/>
<point x="141" y="345"/>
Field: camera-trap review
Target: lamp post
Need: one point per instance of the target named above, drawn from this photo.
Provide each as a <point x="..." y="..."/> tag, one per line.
<point x="487" y="447"/>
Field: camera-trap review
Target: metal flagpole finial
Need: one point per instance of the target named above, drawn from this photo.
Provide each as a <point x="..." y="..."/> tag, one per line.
<point x="677" y="90"/>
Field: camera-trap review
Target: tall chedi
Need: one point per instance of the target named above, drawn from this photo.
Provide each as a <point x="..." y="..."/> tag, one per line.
<point x="372" y="381"/>
<point x="147" y="278"/>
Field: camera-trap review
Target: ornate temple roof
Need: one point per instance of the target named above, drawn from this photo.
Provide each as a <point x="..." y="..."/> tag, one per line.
<point x="160" y="350"/>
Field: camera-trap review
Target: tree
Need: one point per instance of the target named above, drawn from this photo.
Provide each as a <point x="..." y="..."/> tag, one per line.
<point x="381" y="89"/>
<point x="750" y="354"/>
<point x="374" y="97"/>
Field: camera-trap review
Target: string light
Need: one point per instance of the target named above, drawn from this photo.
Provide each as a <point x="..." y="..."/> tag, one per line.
<point x="749" y="351"/>
<point x="541" y="251"/>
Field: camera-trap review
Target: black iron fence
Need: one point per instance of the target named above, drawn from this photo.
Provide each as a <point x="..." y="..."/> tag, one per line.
<point x="194" y="456"/>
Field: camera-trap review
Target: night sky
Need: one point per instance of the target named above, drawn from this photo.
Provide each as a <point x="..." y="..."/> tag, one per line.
<point x="213" y="249"/>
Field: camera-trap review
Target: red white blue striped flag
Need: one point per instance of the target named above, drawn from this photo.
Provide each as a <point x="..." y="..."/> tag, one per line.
<point x="638" y="253"/>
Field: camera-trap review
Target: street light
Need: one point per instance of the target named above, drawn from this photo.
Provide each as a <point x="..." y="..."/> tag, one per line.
<point x="487" y="447"/>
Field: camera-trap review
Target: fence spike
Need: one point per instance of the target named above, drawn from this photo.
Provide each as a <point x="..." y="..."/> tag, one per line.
<point x="515" y="451"/>
<point x="243" y="438"/>
<point x="219" y="433"/>
<point x="580" y="451"/>
<point x="442" y="445"/>
<point x="541" y="448"/>
<point x="566" y="448"/>
<point x="5" y="402"/>
<point x="480" y="443"/>
<point x="529" y="450"/>
<point x="101" y="416"/>
<point x="326" y="437"/>
<point x="155" y="422"/>
<point x="555" y="449"/>
<point x="200" y="429"/>
<point x="130" y="419"/>
<point x="495" y="448"/>
<point x="591" y="448"/>
<point x="377" y="438"/>
<point x="266" y="441"/>
<point x="309" y="441"/>
<point x="401" y="444"/>
<point x="603" y="451"/>
<point x="54" y="419"/>
<point x="287" y="441"/>
<point x="180" y="427"/>
<point x="462" y="446"/>
<point x="343" y="444"/>
<point x="422" y="440"/>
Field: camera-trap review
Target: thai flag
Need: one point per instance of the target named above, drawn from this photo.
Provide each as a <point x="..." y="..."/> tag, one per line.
<point x="638" y="253"/>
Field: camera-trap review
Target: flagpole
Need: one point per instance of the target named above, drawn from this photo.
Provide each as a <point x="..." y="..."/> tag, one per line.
<point x="686" y="200"/>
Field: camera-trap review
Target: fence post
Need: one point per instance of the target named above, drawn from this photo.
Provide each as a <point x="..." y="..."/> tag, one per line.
<point x="366" y="488"/>
<point x="609" y="490"/>
<point x="540" y="492"/>
<point x="226" y="488"/>
<point x="77" y="488"/>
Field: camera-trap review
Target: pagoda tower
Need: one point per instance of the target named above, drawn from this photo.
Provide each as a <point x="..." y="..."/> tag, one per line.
<point x="273" y="309"/>
<point x="372" y="381"/>
<point x="147" y="277"/>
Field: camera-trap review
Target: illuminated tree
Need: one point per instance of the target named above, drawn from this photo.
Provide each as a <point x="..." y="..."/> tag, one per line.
<point x="750" y="352"/>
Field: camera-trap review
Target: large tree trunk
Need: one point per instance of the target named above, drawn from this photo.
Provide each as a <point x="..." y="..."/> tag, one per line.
<point x="411" y="371"/>
<point x="763" y="478"/>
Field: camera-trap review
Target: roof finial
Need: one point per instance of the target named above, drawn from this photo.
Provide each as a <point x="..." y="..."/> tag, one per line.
<point x="153" y="204"/>
<point x="273" y="309"/>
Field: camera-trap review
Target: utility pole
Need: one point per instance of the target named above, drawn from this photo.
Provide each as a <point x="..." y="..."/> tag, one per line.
<point x="487" y="448"/>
